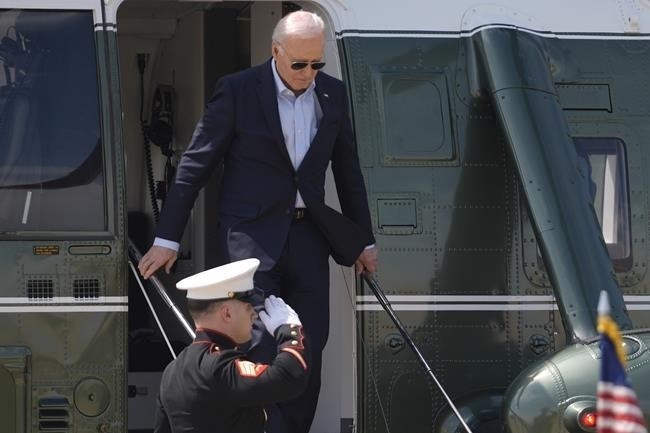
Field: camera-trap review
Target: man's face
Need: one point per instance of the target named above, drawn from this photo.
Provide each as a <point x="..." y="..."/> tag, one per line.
<point x="295" y="49"/>
<point x="243" y="316"/>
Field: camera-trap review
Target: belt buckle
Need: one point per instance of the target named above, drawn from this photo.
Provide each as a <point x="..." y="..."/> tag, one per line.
<point x="299" y="213"/>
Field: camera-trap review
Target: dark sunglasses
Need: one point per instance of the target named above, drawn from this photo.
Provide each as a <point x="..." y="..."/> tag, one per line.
<point x="297" y="66"/>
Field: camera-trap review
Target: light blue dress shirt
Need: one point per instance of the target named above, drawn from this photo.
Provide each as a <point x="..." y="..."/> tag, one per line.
<point x="300" y="117"/>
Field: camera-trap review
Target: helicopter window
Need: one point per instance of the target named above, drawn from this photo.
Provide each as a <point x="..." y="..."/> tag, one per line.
<point x="604" y="160"/>
<point x="51" y="164"/>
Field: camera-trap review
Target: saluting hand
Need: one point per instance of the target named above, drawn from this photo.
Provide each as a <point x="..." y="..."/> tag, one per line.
<point x="367" y="261"/>
<point x="276" y="313"/>
<point x="156" y="258"/>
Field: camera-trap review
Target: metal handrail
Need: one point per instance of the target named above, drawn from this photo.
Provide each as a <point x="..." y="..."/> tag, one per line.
<point x="383" y="300"/>
<point x="135" y="256"/>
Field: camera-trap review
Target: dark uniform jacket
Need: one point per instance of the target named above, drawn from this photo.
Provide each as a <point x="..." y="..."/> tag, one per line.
<point x="241" y="128"/>
<point x="213" y="387"/>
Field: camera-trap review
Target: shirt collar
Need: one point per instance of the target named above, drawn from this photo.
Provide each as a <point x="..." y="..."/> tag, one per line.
<point x="280" y="86"/>
<point x="205" y="335"/>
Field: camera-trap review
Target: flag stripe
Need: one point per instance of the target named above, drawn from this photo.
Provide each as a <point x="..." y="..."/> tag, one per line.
<point x="617" y="406"/>
<point x="615" y="390"/>
<point x="631" y="400"/>
<point x="619" y="426"/>
<point x="614" y="408"/>
<point x="621" y="417"/>
<point x="636" y="429"/>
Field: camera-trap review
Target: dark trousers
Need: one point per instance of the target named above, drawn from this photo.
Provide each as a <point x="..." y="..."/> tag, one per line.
<point x="301" y="278"/>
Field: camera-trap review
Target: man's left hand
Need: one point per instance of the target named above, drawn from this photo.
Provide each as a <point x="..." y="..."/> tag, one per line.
<point x="367" y="261"/>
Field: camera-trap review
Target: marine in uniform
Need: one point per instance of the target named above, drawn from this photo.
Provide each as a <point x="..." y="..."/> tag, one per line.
<point x="212" y="386"/>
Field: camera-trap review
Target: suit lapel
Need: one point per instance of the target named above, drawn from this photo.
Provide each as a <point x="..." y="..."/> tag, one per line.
<point x="324" y="100"/>
<point x="266" y="91"/>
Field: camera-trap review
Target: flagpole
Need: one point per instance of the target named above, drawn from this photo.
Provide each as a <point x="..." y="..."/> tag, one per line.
<point x="603" y="304"/>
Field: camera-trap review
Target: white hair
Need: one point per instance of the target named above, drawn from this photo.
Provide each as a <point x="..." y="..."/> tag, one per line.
<point x="299" y="23"/>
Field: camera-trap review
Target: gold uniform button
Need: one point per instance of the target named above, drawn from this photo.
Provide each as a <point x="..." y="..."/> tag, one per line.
<point x="294" y="343"/>
<point x="294" y="333"/>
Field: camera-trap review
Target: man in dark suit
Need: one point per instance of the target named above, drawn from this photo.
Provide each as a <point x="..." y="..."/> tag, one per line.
<point x="276" y="127"/>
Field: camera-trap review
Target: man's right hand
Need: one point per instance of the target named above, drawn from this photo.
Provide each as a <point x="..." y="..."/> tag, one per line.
<point x="367" y="261"/>
<point x="276" y="313"/>
<point x="156" y="258"/>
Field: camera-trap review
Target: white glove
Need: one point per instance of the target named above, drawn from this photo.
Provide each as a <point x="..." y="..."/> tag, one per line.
<point x="276" y="313"/>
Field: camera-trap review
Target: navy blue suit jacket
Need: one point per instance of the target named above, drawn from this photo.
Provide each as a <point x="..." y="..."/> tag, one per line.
<point x="241" y="128"/>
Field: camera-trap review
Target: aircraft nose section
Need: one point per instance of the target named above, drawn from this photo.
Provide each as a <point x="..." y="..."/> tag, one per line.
<point x="552" y="395"/>
<point x="531" y="401"/>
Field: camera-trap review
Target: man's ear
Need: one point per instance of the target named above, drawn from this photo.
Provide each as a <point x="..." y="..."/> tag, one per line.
<point x="225" y="312"/>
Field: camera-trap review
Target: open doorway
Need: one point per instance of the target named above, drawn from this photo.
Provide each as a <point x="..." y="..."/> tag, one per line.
<point x="171" y="55"/>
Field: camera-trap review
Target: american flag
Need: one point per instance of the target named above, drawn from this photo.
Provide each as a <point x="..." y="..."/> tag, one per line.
<point x="617" y="406"/>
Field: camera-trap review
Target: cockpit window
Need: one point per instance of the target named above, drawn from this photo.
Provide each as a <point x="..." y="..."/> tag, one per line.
<point x="51" y="165"/>
<point x="604" y="160"/>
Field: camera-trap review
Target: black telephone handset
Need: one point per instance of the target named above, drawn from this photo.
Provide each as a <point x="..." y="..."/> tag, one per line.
<point x="159" y="131"/>
<point x="161" y="126"/>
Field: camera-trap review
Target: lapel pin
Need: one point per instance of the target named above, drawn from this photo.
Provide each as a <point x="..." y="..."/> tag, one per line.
<point x="326" y="95"/>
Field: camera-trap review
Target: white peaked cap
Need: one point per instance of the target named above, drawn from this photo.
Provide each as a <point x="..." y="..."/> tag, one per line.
<point x="222" y="282"/>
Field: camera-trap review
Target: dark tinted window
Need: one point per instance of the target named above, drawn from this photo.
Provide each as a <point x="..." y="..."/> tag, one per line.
<point x="604" y="160"/>
<point x="51" y="167"/>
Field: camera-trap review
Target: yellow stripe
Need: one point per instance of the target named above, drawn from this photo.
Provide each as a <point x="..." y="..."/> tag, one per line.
<point x="609" y="328"/>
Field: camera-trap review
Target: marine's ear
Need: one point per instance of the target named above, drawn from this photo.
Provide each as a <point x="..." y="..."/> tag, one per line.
<point x="222" y="312"/>
<point x="226" y="312"/>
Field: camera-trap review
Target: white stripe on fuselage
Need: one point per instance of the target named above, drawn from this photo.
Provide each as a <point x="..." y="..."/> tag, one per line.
<point x="469" y="33"/>
<point x="479" y="303"/>
<point x="64" y="304"/>
<point x="64" y="309"/>
<point x="66" y="300"/>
